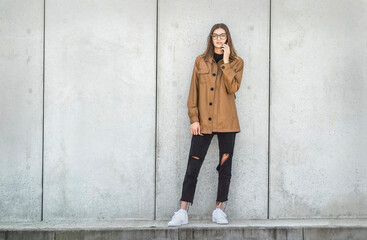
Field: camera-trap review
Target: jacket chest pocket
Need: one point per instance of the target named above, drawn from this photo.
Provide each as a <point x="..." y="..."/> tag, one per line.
<point x="203" y="75"/>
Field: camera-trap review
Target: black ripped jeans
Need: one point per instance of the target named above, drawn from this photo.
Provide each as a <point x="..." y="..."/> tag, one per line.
<point x="198" y="149"/>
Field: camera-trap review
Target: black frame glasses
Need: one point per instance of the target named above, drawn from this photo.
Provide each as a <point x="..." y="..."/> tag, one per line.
<point x="215" y="36"/>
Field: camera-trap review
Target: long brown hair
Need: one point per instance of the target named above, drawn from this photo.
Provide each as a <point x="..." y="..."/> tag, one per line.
<point x="209" y="52"/>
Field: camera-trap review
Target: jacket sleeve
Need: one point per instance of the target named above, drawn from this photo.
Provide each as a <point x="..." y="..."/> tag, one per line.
<point x="232" y="76"/>
<point x="192" y="102"/>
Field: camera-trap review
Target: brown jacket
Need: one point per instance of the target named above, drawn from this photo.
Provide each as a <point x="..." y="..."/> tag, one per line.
<point x="211" y="100"/>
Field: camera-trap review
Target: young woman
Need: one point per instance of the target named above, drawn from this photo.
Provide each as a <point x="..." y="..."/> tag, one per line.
<point x="212" y="111"/>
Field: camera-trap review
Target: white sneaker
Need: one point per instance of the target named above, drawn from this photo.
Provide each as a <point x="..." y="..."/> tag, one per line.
<point x="180" y="217"/>
<point x="219" y="216"/>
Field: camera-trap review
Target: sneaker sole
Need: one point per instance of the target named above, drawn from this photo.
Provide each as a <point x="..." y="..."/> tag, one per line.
<point x="178" y="224"/>
<point x="219" y="222"/>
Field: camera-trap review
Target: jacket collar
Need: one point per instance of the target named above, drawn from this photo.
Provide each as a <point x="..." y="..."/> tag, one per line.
<point x="211" y="59"/>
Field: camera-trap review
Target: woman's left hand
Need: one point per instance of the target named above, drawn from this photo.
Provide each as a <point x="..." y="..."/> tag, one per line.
<point x="226" y="53"/>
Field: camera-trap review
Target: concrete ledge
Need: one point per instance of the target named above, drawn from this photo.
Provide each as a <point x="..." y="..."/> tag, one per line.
<point x="297" y="229"/>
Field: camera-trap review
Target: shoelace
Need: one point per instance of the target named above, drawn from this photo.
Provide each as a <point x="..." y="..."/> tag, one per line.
<point x="176" y="214"/>
<point x="220" y="210"/>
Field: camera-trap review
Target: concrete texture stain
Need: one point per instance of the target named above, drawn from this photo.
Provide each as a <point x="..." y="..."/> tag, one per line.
<point x="298" y="38"/>
<point x="346" y="205"/>
<point x="292" y="204"/>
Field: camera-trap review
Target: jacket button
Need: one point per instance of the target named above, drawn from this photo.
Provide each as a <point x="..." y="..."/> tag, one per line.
<point x="210" y="103"/>
<point x="210" y="118"/>
<point x="222" y="67"/>
<point x="213" y="74"/>
<point x="212" y="89"/>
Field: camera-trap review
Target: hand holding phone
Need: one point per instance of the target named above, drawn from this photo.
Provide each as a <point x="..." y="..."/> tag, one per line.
<point x="226" y="52"/>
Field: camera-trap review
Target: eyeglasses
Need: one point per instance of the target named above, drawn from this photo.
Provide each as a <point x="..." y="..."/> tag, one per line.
<point x="215" y="36"/>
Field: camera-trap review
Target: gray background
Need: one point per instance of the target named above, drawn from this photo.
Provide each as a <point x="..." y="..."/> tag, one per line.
<point x="93" y="117"/>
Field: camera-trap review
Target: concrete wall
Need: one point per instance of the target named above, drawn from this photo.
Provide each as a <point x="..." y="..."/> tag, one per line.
<point x="116" y="132"/>
<point x="318" y="141"/>
<point x="21" y="94"/>
<point x="100" y="110"/>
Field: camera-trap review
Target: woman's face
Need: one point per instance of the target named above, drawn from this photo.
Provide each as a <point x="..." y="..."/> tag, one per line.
<point x="218" y="42"/>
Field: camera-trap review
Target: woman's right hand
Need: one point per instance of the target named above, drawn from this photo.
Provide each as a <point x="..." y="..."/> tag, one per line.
<point x="195" y="128"/>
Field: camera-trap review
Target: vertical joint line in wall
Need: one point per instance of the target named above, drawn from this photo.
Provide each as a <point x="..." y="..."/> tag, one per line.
<point x="156" y="113"/>
<point x="303" y="234"/>
<point x="43" y="106"/>
<point x="268" y="208"/>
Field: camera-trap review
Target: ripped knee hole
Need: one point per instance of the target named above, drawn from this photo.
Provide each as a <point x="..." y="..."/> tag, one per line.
<point x="195" y="157"/>
<point x="224" y="158"/>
